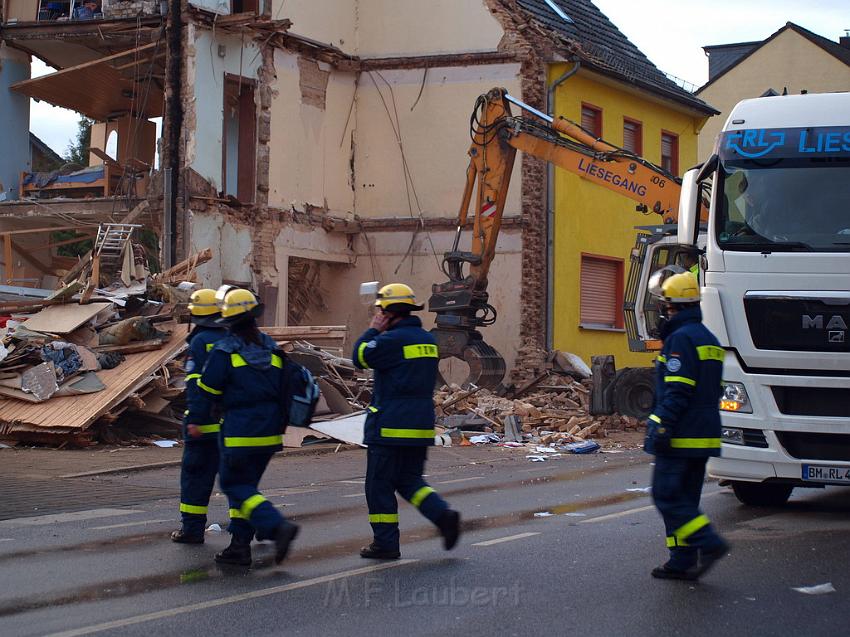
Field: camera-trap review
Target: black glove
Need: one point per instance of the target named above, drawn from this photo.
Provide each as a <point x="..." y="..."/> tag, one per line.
<point x="661" y="440"/>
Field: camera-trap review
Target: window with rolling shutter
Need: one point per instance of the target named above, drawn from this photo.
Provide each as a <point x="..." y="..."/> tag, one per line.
<point x="601" y="292"/>
<point x="670" y="152"/>
<point x="591" y="119"/>
<point x="633" y="136"/>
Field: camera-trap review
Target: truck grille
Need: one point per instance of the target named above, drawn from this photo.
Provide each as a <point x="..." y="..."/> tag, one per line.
<point x="812" y="401"/>
<point x="798" y="324"/>
<point x="812" y="446"/>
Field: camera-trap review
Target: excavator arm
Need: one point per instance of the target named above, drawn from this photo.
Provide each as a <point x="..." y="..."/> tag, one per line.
<point x="461" y="303"/>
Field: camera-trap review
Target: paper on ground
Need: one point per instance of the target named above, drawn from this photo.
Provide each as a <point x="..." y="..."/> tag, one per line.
<point x="543" y="514"/>
<point x="641" y="490"/>
<point x="820" y="589"/>
<point x="167" y="444"/>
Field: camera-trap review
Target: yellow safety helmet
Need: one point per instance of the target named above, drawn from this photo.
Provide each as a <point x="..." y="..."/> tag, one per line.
<point x="202" y="303"/>
<point x="397" y="296"/>
<point x="239" y="304"/>
<point x="674" y="284"/>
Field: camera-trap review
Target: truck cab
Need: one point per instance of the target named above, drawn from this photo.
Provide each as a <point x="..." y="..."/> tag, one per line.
<point x="775" y="282"/>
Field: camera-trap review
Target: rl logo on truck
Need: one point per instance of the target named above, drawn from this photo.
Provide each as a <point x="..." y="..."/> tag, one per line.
<point x="754" y="143"/>
<point x="837" y="326"/>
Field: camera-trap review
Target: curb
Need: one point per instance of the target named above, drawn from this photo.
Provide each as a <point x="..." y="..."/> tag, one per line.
<point x="301" y="451"/>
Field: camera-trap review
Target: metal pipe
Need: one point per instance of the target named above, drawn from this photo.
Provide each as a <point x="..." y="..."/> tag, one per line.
<point x="531" y="109"/>
<point x="550" y="214"/>
<point x="174" y="112"/>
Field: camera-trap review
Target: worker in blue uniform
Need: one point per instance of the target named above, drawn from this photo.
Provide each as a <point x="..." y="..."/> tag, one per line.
<point x="244" y="372"/>
<point x="683" y="430"/>
<point x="200" y="425"/>
<point x="400" y="420"/>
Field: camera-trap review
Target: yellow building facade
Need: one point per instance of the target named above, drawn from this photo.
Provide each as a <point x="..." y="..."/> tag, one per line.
<point x="595" y="225"/>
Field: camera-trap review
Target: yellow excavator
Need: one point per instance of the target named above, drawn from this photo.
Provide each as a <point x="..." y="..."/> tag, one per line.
<point x="461" y="303"/>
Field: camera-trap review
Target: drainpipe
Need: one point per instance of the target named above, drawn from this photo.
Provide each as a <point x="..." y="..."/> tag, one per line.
<point x="174" y="112"/>
<point x="550" y="215"/>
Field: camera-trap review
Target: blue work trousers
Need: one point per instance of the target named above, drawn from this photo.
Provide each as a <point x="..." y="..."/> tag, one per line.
<point x="250" y="512"/>
<point x="397" y="468"/>
<point x="676" y="490"/>
<point x="197" y="478"/>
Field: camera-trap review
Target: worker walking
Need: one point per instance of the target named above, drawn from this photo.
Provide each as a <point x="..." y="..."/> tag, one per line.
<point x="245" y="373"/>
<point x="400" y="420"/>
<point x="684" y="428"/>
<point x="200" y="426"/>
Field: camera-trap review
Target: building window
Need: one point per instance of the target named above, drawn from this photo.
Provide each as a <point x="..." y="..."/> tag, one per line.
<point x="245" y="6"/>
<point x="633" y="136"/>
<point x="601" y="292"/>
<point x="239" y="147"/>
<point x="670" y="152"/>
<point x="591" y="119"/>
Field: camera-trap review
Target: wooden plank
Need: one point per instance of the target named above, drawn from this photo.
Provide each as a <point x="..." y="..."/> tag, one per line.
<point x="62" y="319"/>
<point x="132" y="348"/>
<point x="9" y="264"/>
<point x="296" y="332"/>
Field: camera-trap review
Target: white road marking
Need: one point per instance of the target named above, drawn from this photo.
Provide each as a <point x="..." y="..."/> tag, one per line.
<point x="232" y="599"/>
<point x="460" y="480"/>
<point x="76" y="516"/>
<point x="355" y="495"/>
<point x="288" y="491"/>
<point x="352" y="481"/>
<point x="509" y="538"/>
<point x="7" y="539"/>
<point x="126" y="524"/>
<point x="620" y="514"/>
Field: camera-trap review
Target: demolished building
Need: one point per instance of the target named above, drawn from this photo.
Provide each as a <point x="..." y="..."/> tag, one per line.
<point x="311" y="145"/>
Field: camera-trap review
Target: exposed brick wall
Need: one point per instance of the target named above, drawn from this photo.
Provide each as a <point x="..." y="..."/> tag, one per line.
<point x="129" y="8"/>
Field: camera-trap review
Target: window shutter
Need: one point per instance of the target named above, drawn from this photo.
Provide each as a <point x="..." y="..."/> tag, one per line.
<point x="631" y="137"/>
<point x="599" y="286"/>
<point x="591" y="120"/>
<point x="666" y="146"/>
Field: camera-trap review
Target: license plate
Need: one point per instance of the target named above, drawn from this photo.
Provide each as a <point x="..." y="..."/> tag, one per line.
<point x="826" y="474"/>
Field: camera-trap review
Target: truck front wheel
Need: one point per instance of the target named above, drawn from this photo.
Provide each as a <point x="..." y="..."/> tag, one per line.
<point x="762" y="494"/>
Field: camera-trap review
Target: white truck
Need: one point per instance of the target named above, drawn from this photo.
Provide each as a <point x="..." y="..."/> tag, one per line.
<point x="774" y="261"/>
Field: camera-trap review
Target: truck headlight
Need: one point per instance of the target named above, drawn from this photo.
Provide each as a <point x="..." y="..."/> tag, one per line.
<point x="732" y="435"/>
<point x="734" y="398"/>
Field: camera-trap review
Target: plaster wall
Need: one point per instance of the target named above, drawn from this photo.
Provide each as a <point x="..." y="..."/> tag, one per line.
<point x="593" y="220"/>
<point x="391" y="28"/>
<point x="788" y="61"/>
<point x="311" y="148"/>
<point x="206" y="71"/>
<point x="434" y="137"/>
<point x="328" y="22"/>
<point x="21" y="10"/>
<point x="15" y="108"/>
<point x="231" y="247"/>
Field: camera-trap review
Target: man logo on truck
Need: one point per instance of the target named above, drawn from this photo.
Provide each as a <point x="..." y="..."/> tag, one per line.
<point x="837" y="326"/>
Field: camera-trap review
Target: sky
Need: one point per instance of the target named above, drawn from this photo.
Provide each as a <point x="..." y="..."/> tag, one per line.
<point x="671" y="33"/>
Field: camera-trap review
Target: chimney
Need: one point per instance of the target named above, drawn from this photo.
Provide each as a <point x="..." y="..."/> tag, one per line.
<point x="844" y="40"/>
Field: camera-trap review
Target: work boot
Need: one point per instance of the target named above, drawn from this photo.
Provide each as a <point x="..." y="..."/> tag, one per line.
<point x="709" y="558"/>
<point x="181" y="537"/>
<point x="283" y="537"/>
<point x="238" y="554"/>
<point x="666" y="572"/>
<point x="376" y="552"/>
<point x="449" y="525"/>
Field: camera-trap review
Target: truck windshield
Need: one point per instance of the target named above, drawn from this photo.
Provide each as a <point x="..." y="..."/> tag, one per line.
<point x="784" y="201"/>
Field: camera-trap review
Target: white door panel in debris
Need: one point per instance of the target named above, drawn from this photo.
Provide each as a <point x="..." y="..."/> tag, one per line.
<point x="221" y="7"/>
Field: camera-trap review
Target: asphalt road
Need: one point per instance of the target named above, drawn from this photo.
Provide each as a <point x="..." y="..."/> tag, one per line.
<point x="560" y="547"/>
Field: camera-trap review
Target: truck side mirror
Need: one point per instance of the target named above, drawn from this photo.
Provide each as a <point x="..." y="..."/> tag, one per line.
<point x="689" y="208"/>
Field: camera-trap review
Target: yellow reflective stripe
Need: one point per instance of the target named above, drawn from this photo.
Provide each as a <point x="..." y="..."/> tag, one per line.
<point x="193" y="508"/>
<point x="209" y="346"/>
<point x="236" y="360"/>
<point x="662" y="359"/>
<point x="361" y="351"/>
<point x="236" y="514"/>
<point x="374" y="410"/>
<point x="407" y="433"/>
<point x="424" y="350"/>
<point x="680" y="379"/>
<point x="252" y="441"/>
<point x="695" y="443"/>
<point x="207" y="388"/>
<point x="277" y="361"/>
<point x="250" y="504"/>
<point x="209" y="429"/>
<point x="672" y="542"/>
<point x="655" y="418"/>
<point x="191" y="376"/>
<point x="383" y="518"/>
<point x="420" y="495"/>
<point x="689" y="528"/>
<point x="710" y="353"/>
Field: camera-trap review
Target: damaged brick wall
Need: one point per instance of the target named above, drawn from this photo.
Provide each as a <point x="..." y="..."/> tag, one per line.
<point x="130" y="8"/>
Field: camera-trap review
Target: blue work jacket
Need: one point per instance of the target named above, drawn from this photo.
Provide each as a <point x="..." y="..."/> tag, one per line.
<point x="405" y="359"/>
<point x="199" y="407"/>
<point x="247" y="379"/>
<point x="689" y="371"/>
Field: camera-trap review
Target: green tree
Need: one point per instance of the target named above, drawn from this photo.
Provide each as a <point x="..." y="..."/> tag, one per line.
<point x="78" y="150"/>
